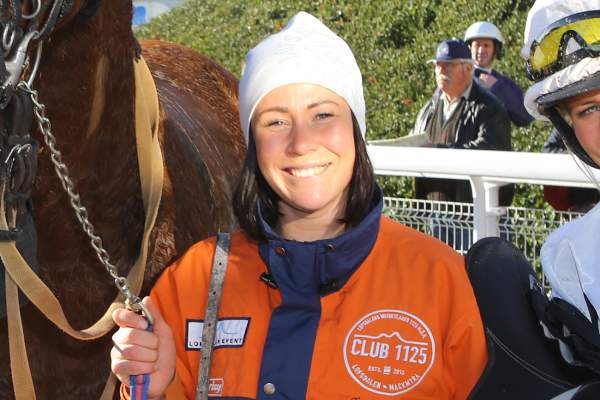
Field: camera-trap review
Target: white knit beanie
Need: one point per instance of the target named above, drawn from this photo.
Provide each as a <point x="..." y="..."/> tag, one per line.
<point x="305" y="51"/>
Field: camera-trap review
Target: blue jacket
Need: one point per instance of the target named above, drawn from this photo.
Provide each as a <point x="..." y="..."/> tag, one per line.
<point x="511" y="96"/>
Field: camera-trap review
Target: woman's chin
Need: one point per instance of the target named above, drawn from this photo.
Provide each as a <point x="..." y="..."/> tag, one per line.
<point x="313" y="204"/>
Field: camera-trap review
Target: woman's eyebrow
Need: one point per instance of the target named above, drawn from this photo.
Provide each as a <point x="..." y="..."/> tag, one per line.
<point x="272" y="109"/>
<point x="585" y="103"/>
<point x="318" y="103"/>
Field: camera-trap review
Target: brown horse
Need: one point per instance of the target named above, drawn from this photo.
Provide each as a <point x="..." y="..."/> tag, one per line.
<point x="86" y="82"/>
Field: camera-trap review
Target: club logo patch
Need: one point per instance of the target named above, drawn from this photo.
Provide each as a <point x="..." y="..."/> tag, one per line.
<point x="389" y="352"/>
<point x="231" y="332"/>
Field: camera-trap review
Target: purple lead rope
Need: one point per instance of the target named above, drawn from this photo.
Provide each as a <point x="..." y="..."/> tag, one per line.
<point x="138" y="384"/>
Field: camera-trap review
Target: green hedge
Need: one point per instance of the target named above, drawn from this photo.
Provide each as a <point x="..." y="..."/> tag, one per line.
<point x="390" y="39"/>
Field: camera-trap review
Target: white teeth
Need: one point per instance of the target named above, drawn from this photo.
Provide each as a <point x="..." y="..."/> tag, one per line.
<point x="307" y="172"/>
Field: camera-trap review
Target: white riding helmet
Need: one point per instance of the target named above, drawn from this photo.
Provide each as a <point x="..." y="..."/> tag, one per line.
<point x="485" y="30"/>
<point x="562" y="52"/>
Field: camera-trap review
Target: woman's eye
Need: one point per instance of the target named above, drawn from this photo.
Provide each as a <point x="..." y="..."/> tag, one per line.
<point x="274" y="122"/>
<point x="589" y="110"/>
<point x="323" y="116"/>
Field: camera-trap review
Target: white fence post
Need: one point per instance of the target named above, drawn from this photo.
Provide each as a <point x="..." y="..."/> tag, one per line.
<point x="486" y="212"/>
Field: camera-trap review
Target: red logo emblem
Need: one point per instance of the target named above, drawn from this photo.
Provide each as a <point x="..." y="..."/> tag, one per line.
<point x="215" y="387"/>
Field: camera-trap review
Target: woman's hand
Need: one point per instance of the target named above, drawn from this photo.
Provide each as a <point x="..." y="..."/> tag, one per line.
<point x="137" y="351"/>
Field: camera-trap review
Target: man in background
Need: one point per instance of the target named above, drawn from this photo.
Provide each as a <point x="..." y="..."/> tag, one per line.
<point x="460" y="115"/>
<point x="485" y="41"/>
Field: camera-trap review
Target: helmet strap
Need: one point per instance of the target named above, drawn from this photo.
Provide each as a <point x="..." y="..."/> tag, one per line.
<point x="568" y="135"/>
<point x="497" y="49"/>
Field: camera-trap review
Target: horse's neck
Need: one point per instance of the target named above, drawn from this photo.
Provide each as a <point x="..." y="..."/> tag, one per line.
<point x="86" y="82"/>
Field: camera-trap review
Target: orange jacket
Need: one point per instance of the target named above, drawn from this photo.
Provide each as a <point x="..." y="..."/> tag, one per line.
<point x="403" y="322"/>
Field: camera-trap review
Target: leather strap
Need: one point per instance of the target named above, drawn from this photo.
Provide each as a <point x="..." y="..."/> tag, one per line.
<point x="22" y="382"/>
<point x="20" y="274"/>
<point x="209" y="328"/>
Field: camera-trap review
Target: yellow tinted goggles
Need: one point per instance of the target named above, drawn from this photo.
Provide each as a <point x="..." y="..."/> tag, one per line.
<point x="554" y="48"/>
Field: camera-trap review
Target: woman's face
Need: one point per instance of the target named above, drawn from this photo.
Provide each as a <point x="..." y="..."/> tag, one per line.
<point x="305" y="148"/>
<point x="584" y="111"/>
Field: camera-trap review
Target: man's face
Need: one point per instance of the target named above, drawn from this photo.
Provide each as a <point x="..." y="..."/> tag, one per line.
<point x="452" y="77"/>
<point x="482" y="51"/>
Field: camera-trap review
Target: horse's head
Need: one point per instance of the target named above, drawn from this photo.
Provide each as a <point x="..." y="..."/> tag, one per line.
<point x="33" y="14"/>
<point x="86" y="84"/>
<point x="24" y="23"/>
<point x="69" y="9"/>
<point x="24" y="26"/>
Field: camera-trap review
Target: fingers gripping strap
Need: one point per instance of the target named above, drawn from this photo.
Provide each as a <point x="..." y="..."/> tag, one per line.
<point x="209" y="329"/>
<point x="139" y="384"/>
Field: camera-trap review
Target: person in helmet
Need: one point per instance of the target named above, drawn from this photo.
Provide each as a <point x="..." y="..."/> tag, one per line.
<point x="486" y="41"/>
<point x="562" y="54"/>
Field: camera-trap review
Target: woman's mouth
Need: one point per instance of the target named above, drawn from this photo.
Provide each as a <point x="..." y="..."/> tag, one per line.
<point x="308" y="172"/>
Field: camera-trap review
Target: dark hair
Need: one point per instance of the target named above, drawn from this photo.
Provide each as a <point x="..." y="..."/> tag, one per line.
<point x="252" y="188"/>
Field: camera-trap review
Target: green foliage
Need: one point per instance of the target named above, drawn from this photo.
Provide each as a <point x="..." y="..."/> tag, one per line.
<point x="391" y="39"/>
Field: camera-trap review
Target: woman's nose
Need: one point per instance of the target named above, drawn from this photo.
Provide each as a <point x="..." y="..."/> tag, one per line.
<point x="302" y="139"/>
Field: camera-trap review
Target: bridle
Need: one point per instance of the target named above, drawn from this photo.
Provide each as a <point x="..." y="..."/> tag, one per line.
<point x="16" y="85"/>
<point x="18" y="32"/>
<point x="19" y="105"/>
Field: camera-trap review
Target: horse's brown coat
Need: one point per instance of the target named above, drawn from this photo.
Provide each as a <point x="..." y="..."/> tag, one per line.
<point x="86" y="82"/>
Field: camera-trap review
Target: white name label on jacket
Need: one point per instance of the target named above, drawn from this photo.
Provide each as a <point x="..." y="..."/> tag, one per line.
<point x="231" y="332"/>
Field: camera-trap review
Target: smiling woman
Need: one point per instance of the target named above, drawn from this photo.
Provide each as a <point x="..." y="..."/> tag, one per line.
<point x="329" y="299"/>
<point x="305" y="149"/>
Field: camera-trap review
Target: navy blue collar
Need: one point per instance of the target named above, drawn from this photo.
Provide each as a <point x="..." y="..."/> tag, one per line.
<point x="320" y="266"/>
<point x="304" y="272"/>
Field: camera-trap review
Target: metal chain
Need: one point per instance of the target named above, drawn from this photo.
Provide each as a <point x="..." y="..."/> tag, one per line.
<point x="62" y="172"/>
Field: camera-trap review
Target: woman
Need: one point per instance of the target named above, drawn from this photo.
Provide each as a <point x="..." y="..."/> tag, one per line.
<point x="323" y="298"/>
<point x="563" y="57"/>
<point x="561" y="39"/>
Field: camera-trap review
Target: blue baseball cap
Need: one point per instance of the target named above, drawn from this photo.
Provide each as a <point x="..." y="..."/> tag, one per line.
<point x="453" y="49"/>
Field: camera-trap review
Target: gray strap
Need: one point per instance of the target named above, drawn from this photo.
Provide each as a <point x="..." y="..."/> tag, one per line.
<point x="209" y="328"/>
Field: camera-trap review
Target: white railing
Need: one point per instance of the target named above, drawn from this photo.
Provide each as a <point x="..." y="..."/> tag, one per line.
<point x="486" y="170"/>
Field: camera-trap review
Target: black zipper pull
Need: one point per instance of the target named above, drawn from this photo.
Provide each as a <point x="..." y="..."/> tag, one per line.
<point x="268" y="280"/>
